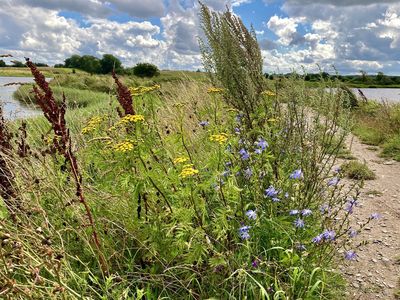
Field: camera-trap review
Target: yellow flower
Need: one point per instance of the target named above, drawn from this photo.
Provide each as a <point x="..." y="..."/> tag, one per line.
<point x="268" y="93"/>
<point x="140" y="90"/>
<point x="124" y="146"/>
<point x="132" y="118"/>
<point x="219" y="138"/>
<point x="188" y="171"/>
<point x="214" y="90"/>
<point x="180" y="159"/>
<point x="93" y="123"/>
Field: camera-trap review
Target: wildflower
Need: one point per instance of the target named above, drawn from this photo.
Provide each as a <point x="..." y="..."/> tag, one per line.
<point x="337" y="170"/>
<point x="137" y="91"/>
<point x="251" y="214"/>
<point x="213" y="90"/>
<point x="286" y="195"/>
<point x="350" y="206"/>
<point x="306" y="212"/>
<point x="275" y="199"/>
<point x="254" y="263"/>
<point x="180" y="159"/>
<point x="297" y="174"/>
<point x="261" y="144"/>
<point x="350" y="255"/>
<point x="204" y="123"/>
<point x="219" y="138"/>
<point x="318" y="239"/>
<point x="329" y="235"/>
<point x="271" y="192"/>
<point x="324" y="208"/>
<point x="299" y="223"/>
<point x="334" y="181"/>
<point x="352" y="232"/>
<point x="294" y="212"/>
<point x="237" y="130"/>
<point x="244" y="155"/>
<point x="225" y="173"/>
<point x="248" y="173"/>
<point x="244" y="232"/>
<point x="239" y="117"/>
<point x="123" y="146"/>
<point x="131" y="119"/>
<point x="93" y="123"/>
<point x="375" y="216"/>
<point x="268" y="93"/>
<point x="188" y="171"/>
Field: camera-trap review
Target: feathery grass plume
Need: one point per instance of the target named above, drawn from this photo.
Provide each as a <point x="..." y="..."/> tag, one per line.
<point x="55" y="114"/>
<point x="7" y="190"/>
<point x="124" y="98"/>
<point x="232" y="57"/>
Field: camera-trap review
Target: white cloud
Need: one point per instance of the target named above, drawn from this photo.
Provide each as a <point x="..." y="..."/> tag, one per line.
<point x="284" y="28"/>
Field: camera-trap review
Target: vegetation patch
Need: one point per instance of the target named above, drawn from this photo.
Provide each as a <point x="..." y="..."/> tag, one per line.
<point x="357" y="170"/>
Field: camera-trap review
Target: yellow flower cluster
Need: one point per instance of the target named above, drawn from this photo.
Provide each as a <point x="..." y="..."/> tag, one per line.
<point x="124" y="146"/>
<point x="180" y="159"/>
<point x="268" y="93"/>
<point x="132" y="118"/>
<point x="140" y="90"/>
<point x="92" y="124"/>
<point x="213" y="90"/>
<point x="219" y="138"/>
<point x="188" y="171"/>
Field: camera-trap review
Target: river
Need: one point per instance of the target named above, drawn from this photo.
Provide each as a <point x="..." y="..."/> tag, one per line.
<point x="13" y="109"/>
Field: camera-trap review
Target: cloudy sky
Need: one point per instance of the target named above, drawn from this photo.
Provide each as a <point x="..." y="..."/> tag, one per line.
<point x="352" y="35"/>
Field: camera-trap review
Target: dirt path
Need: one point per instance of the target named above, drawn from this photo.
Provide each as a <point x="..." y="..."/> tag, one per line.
<point x="376" y="274"/>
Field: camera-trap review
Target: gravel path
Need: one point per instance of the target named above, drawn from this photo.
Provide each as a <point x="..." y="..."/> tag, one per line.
<point x="376" y="273"/>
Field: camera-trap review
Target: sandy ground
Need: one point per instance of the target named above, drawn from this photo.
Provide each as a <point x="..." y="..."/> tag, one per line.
<point x="376" y="273"/>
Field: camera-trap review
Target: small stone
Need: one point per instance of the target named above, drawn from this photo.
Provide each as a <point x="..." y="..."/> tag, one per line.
<point x="356" y="285"/>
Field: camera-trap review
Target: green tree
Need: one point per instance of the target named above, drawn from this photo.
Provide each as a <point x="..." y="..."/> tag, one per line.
<point x="2" y="63"/>
<point x="17" y="64"/>
<point x="380" y="76"/>
<point x="73" y="61"/>
<point x="109" y="62"/>
<point x="145" y="70"/>
<point x="89" y="64"/>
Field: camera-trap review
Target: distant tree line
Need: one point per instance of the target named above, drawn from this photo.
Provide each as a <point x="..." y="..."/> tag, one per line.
<point x="18" y="64"/>
<point x="379" y="79"/>
<point x="106" y="65"/>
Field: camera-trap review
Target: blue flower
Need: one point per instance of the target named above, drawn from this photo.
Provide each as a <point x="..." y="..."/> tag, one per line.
<point x="261" y="144"/>
<point x="244" y="232"/>
<point x="258" y="151"/>
<point x="306" y="212"/>
<point x="350" y="255"/>
<point x="297" y="174"/>
<point x="271" y="192"/>
<point x="318" y="239"/>
<point x="294" y="212"/>
<point x="248" y="173"/>
<point x="324" y="208"/>
<point x="225" y="173"/>
<point x="251" y="214"/>
<point x="204" y="123"/>
<point x="299" y="223"/>
<point x="237" y="130"/>
<point x="375" y="216"/>
<point x="275" y="199"/>
<point x="352" y="232"/>
<point x="329" y="235"/>
<point x="244" y="155"/>
<point x="350" y="205"/>
<point x="334" y="181"/>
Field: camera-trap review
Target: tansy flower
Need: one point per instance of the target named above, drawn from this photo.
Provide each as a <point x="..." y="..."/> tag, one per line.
<point x="219" y="138"/>
<point x="180" y="159"/>
<point x="188" y="171"/>
<point x="214" y="90"/>
<point x="93" y="123"/>
<point x="131" y="119"/>
<point x="123" y="146"/>
<point x="268" y="93"/>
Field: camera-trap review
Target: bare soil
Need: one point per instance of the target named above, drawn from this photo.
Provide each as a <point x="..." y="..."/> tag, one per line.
<point x="376" y="273"/>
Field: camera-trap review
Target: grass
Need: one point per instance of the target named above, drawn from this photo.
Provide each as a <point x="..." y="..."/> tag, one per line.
<point x="378" y="124"/>
<point x="357" y="170"/>
<point x="47" y="71"/>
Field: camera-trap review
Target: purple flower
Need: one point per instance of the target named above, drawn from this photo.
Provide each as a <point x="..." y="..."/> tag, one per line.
<point x="324" y="208"/>
<point x="248" y="173"/>
<point x="297" y="174"/>
<point x="244" y="155"/>
<point x="258" y="151"/>
<point x="352" y="232"/>
<point x="275" y="199"/>
<point x="337" y="170"/>
<point x="261" y="144"/>
<point x="286" y="195"/>
<point x="306" y="212"/>
<point x="237" y="130"/>
<point x="244" y="228"/>
<point x="254" y="264"/>
<point x="334" y="181"/>
<point x="271" y="192"/>
<point x="318" y="239"/>
<point x="375" y="216"/>
<point x="294" y="212"/>
<point x="329" y="235"/>
<point x="350" y="255"/>
<point x="204" y="123"/>
<point x="244" y="232"/>
<point x="350" y="205"/>
<point x="225" y="173"/>
<point x="299" y="223"/>
<point x="251" y="214"/>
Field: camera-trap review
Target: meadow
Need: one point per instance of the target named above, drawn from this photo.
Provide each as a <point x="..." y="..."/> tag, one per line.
<point x="178" y="187"/>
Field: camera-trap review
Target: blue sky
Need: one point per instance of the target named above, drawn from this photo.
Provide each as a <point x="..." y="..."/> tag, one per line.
<point x="351" y="35"/>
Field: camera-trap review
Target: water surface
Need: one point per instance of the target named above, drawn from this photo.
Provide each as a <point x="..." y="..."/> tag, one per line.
<point x="13" y="109"/>
<point x="381" y="94"/>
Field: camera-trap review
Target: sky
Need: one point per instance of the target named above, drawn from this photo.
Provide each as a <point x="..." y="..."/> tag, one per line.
<point x="294" y="35"/>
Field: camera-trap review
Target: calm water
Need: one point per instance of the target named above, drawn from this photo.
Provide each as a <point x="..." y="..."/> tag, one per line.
<point x="390" y="95"/>
<point x="13" y="109"/>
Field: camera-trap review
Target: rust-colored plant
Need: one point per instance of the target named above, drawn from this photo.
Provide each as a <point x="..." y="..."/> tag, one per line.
<point x="55" y="114"/>
<point x="124" y="98"/>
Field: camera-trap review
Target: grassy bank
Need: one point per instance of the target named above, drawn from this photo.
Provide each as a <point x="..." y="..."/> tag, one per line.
<point x="47" y="71"/>
<point x="378" y="124"/>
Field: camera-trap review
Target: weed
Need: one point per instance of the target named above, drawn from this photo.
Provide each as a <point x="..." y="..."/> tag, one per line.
<point x="357" y="170"/>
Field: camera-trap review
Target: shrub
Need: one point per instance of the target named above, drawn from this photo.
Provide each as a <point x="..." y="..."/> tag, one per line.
<point x="145" y="70"/>
<point x="357" y="170"/>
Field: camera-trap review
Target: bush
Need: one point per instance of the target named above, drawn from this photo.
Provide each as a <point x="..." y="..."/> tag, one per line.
<point x="145" y="70"/>
<point x="357" y="170"/>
